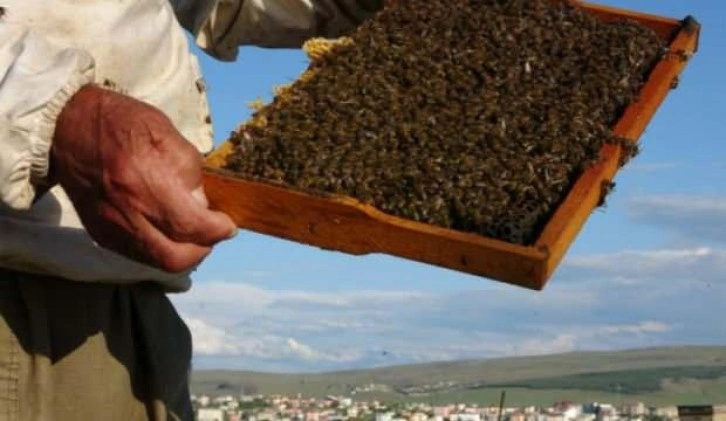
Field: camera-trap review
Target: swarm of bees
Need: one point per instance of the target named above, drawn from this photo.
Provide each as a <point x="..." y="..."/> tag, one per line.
<point x="474" y="115"/>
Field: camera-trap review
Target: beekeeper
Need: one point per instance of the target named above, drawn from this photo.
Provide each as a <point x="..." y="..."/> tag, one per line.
<point x="102" y="211"/>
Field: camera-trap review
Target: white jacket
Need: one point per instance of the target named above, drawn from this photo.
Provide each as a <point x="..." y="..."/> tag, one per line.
<point x="50" y="48"/>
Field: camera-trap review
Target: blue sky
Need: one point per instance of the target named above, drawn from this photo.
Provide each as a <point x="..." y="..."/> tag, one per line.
<point x="646" y="270"/>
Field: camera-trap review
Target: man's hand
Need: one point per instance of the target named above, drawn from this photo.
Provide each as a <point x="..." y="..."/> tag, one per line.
<point x="136" y="183"/>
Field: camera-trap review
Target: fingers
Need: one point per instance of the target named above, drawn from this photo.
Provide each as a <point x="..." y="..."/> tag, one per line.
<point x="172" y="256"/>
<point x="209" y="228"/>
<point x="133" y="183"/>
<point x="133" y="236"/>
<point x="184" y="158"/>
<point x="185" y="215"/>
<point x="186" y="218"/>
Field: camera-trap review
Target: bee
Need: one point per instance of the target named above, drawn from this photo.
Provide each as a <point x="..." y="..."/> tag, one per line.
<point x="675" y="82"/>
<point x="606" y="187"/>
<point x="256" y="104"/>
<point x="410" y="118"/>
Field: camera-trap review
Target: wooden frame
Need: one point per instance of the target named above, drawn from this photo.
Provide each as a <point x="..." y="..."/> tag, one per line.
<point x="346" y="225"/>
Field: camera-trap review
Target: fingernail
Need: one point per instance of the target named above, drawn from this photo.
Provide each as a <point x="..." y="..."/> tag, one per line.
<point x="200" y="197"/>
<point x="233" y="234"/>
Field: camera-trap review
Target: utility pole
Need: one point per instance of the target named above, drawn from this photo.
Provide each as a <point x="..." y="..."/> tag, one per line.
<point x="501" y="405"/>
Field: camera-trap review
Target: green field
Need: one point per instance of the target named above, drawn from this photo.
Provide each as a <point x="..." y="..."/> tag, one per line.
<point x="701" y="392"/>
<point x="708" y="392"/>
<point x="659" y="376"/>
<point x="648" y="380"/>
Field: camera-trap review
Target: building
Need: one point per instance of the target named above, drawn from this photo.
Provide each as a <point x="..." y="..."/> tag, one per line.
<point x="464" y="417"/>
<point x="607" y="414"/>
<point x="517" y="416"/>
<point x="634" y="410"/>
<point x="553" y="416"/>
<point x="204" y="400"/>
<point x="572" y="412"/>
<point x="210" y="414"/>
<point x="442" y="411"/>
<point x="719" y="413"/>
<point x="384" y="416"/>
<point x="668" y="412"/>
<point x="702" y="413"/>
<point x="418" y="416"/>
<point x="267" y="416"/>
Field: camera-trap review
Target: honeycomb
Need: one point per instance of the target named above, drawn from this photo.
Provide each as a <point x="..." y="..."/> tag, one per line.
<point x="473" y="115"/>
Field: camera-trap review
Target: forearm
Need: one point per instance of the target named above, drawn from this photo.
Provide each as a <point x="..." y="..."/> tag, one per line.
<point x="36" y="80"/>
<point x="221" y="26"/>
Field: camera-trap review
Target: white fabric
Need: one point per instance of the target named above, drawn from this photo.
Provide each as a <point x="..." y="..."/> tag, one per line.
<point x="50" y="48"/>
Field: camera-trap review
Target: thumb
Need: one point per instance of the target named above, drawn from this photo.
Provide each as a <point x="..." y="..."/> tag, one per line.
<point x="200" y="197"/>
<point x="185" y="217"/>
<point x="213" y="226"/>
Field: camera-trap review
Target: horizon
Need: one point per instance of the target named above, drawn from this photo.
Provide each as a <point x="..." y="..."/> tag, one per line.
<point x="474" y="360"/>
<point x="645" y="271"/>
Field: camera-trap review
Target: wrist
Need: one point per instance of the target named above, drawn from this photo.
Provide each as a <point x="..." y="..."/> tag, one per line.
<point x="74" y="124"/>
<point x="41" y="155"/>
<point x="80" y="109"/>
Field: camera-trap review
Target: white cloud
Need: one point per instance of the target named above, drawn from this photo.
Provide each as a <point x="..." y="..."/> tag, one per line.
<point x="564" y="342"/>
<point x="642" y="260"/>
<point x="638" y="328"/>
<point x="253" y="297"/>
<point x="681" y="204"/>
<point x="259" y="274"/>
<point x="491" y="322"/>
<point x="625" y="299"/>
<point x="652" y="166"/>
<point x="302" y="350"/>
<point x="697" y="217"/>
<point x="221" y="293"/>
<point x="633" y="267"/>
<point x="209" y="340"/>
<point x="213" y="340"/>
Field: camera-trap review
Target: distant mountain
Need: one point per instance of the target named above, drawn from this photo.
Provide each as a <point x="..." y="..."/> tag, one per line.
<point x="639" y="373"/>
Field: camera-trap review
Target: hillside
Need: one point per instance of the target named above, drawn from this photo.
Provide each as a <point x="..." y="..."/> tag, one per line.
<point x="656" y="374"/>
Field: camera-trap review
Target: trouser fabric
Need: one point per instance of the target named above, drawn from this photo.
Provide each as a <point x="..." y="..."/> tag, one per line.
<point x="86" y="351"/>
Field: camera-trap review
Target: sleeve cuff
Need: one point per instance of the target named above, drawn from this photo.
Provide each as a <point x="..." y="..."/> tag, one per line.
<point x="42" y="139"/>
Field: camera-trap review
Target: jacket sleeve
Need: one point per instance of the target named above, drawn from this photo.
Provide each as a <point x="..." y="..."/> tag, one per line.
<point x="220" y="27"/>
<point x="36" y="80"/>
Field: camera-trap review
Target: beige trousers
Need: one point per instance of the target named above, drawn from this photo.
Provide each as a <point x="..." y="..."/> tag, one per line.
<point x="79" y="351"/>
